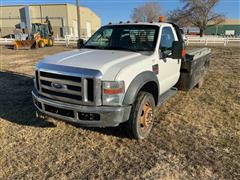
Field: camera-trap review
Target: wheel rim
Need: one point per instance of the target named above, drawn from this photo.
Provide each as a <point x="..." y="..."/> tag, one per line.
<point x="146" y="117"/>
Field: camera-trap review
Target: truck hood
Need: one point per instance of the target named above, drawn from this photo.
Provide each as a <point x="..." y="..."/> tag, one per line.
<point x="102" y="60"/>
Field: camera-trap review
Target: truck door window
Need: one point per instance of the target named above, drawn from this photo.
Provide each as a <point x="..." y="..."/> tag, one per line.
<point x="167" y="39"/>
<point x="102" y="39"/>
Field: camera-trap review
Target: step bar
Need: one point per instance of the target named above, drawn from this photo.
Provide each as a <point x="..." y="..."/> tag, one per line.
<point x="167" y="95"/>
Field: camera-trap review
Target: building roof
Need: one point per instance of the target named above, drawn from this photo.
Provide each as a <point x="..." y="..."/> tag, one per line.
<point x="45" y="4"/>
<point x="231" y="22"/>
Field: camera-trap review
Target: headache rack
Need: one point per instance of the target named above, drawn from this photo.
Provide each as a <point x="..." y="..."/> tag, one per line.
<point x="67" y="87"/>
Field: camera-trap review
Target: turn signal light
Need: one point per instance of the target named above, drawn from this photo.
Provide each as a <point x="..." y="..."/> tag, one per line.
<point x="113" y="87"/>
<point x="184" y="53"/>
<point x="113" y="91"/>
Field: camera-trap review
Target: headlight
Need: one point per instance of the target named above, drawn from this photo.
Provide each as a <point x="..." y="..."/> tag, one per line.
<point x="112" y="92"/>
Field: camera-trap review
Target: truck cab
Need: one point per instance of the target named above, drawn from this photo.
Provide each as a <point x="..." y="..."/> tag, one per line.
<point x="118" y="77"/>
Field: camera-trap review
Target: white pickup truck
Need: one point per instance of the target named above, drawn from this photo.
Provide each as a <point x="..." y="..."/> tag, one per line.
<point x="118" y="76"/>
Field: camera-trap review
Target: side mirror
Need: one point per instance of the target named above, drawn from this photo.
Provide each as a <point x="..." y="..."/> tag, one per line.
<point x="80" y="43"/>
<point x="167" y="53"/>
<point x="164" y="53"/>
<point x="177" y="48"/>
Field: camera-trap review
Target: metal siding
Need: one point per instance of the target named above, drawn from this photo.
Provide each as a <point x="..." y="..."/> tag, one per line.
<point x="220" y="29"/>
<point x="59" y="15"/>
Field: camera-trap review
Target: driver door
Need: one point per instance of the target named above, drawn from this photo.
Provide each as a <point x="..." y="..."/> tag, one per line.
<point x="169" y="68"/>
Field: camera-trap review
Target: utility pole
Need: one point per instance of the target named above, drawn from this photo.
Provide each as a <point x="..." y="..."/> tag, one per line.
<point x="79" y="24"/>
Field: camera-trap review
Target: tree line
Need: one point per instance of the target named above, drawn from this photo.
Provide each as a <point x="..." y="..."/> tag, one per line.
<point x="198" y="13"/>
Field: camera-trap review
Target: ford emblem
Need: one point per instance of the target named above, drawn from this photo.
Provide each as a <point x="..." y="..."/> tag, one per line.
<point x="58" y="86"/>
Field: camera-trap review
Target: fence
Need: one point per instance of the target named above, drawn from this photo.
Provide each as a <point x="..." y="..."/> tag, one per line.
<point x="206" y="40"/>
<point x="6" y="41"/>
<point x="68" y="40"/>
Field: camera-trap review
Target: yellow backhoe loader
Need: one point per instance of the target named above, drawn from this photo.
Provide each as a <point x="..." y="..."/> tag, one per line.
<point x="41" y="36"/>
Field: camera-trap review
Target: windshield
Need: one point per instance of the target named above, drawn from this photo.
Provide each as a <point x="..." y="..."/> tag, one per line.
<point x="125" y="37"/>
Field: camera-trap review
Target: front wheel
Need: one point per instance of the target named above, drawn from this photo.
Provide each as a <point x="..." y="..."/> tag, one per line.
<point x="41" y="44"/>
<point x="141" y="118"/>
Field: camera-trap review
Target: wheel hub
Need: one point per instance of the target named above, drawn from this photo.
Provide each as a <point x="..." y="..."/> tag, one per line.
<point x="146" y="118"/>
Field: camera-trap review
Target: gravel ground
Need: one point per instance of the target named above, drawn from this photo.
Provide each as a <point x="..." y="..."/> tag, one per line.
<point x="196" y="133"/>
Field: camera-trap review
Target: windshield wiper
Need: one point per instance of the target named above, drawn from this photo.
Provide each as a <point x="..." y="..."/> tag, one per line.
<point x="93" y="47"/>
<point x="114" y="48"/>
<point x="120" y="48"/>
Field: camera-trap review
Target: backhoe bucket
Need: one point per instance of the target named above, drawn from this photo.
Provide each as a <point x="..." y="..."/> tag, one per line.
<point x="25" y="44"/>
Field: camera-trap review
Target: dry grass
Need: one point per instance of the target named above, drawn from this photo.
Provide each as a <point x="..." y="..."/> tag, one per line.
<point x="196" y="134"/>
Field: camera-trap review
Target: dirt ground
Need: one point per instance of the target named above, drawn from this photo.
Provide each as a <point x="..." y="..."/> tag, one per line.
<point x="196" y="133"/>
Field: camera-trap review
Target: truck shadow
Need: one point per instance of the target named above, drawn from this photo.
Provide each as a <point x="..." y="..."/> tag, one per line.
<point x="16" y="104"/>
<point x="110" y="131"/>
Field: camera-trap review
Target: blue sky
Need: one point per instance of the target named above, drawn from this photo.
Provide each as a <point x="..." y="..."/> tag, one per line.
<point x="116" y="10"/>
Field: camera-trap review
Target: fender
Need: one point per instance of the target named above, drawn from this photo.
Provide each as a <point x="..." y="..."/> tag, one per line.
<point x="138" y="82"/>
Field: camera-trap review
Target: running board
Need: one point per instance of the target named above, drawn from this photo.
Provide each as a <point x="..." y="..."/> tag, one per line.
<point x="167" y="95"/>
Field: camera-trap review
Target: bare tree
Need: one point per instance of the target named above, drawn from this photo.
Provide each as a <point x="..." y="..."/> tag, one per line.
<point x="199" y="13"/>
<point x="147" y="12"/>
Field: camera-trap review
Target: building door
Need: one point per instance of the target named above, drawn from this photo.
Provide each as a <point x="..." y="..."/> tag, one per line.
<point x="89" y="29"/>
<point x="75" y="28"/>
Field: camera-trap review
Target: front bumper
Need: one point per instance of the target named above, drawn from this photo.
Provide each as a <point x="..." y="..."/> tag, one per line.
<point x="100" y="116"/>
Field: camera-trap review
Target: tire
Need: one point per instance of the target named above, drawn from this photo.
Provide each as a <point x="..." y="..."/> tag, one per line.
<point x="41" y="44"/>
<point x="50" y="42"/>
<point x="141" y="118"/>
<point x="35" y="45"/>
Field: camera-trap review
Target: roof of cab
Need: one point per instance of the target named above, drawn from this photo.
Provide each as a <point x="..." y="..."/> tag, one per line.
<point x="139" y="23"/>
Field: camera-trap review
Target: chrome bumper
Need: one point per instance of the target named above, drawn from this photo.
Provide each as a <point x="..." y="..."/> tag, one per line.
<point x="107" y="116"/>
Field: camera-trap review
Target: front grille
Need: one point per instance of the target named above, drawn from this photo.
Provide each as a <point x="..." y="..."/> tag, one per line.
<point x="90" y="87"/>
<point x="54" y="93"/>
<point x="66" y="88"/>
<point x="37" y="80"/>
<point x="60" y="76"/>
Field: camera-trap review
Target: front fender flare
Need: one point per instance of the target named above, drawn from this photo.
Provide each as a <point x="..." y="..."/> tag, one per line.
<point x="138" y="82"/>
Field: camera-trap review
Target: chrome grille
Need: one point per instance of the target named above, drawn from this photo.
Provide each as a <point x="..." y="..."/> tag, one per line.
<point x="66" y="87"/>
